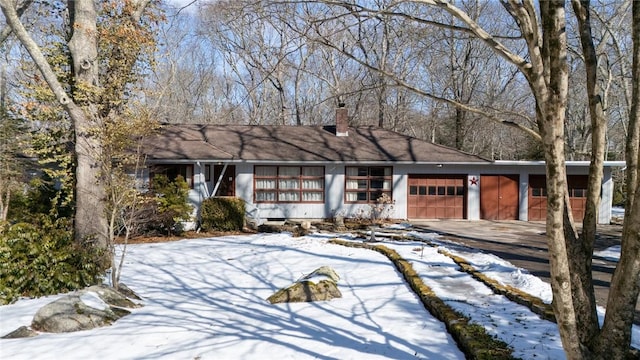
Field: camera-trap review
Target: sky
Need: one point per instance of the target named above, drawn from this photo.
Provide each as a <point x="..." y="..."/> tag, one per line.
<point x="205" y="299"/>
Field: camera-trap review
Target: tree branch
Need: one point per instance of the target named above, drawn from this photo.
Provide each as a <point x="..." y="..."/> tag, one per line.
<point x="6" y="31"/>
<point x="11" y="15"/>
<point x="534" y="134"/>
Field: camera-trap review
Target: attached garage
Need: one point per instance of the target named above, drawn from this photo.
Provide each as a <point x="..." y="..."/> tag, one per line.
<point x="433" y="196"/>
<point x="538" y="196"/>
<point x="499" y="198"/>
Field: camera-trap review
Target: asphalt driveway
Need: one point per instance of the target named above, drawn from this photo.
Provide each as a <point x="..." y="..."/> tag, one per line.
<point x="524" y="245"/>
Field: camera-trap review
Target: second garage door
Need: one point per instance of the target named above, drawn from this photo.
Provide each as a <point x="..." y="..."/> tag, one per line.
<point x="499" y="197"/>
<point x="436" y="196"/>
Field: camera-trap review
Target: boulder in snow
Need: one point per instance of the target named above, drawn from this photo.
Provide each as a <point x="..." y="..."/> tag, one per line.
<point x="319" y="285"/>
<point x="86" y="309"/>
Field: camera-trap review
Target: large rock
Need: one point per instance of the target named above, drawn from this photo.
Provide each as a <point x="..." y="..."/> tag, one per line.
<point x="320" y="285"/>
<point x="93" y="307"/>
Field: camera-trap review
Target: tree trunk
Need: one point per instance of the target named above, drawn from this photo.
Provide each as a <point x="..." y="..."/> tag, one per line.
<point x="90" y="221"/>
<point x="581" y="249"/>
<point x="552" y="101"/>
<point x="623" y="294"/>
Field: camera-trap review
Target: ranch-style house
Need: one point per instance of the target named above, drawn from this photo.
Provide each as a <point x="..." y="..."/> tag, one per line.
<point x="318" y="172"/>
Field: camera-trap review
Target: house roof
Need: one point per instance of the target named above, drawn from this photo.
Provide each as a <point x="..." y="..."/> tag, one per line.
<point x="296" y="144"/>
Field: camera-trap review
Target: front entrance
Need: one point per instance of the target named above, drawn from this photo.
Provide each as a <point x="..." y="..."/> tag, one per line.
<point x="499" y="197"/>
<point x="436" y="197"/>
<point x="227" y="185"/>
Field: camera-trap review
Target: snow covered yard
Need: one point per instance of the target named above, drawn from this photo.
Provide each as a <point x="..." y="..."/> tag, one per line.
<point x="205" y="299"/>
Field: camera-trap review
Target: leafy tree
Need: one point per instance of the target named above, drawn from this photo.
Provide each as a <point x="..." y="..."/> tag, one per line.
<point x="108" y="48"/>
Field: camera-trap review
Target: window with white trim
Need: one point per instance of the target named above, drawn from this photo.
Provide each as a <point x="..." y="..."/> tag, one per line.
<point x="365" y="184"/>
<point x="288" y="184"/>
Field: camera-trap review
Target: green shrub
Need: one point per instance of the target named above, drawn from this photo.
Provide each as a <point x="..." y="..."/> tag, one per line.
<point x="38" y="260"/>
<point x="223" y="213"/>
<point x="172" y="203"/>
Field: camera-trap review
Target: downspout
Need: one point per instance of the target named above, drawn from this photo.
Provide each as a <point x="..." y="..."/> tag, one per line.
<point x="215" y="188"/>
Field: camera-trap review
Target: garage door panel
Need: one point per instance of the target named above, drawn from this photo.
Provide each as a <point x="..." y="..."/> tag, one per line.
<point x="438" y="196"/>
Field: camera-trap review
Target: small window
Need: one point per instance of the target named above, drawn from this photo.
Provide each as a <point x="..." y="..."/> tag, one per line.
<point x="460" y="190"/>
<point x="413" y="190"/>
<point x="441" y="190"/>
<point x="423" y="190"/>
<point x="451" y="190"/>
<point x="367" y="184"/>
<point x="432" y="190"/>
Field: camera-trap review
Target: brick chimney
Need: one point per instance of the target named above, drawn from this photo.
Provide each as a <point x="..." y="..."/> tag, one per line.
<point x="342" y="120"/>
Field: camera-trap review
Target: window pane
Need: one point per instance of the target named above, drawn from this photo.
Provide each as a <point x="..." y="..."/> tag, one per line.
<point x="432" y="190"/>
<point x="362" y="196"/>
<point x="441" y="190"/>
<point x="352" y="184"/>
<point x="380" y="171"/>
<point x="289" y="171"/>
<point x="460" y="190"/>
<point x="265" y="196"/>
<point x="423" y="190"/>
<point x="312" y="184"/>
<point x="377" y="184"/>
<point x="451" y="190"/>
<point x="312" y="196"/>
<point x="413" y="190"/>
<point x="266" y="170"/>
<point x="289" y="184"/>
<point x="289" y="196"/>
<point x="265" y="184"/>
<point x="313" y="171"/>
<point x="354" y="171"/>
<point x="352" y="196"/>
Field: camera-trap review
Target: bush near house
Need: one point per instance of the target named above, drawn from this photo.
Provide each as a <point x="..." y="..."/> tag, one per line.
<point x="222" y="213"/>
<point x="171" y="205"/>
<point x="43" y="259"/>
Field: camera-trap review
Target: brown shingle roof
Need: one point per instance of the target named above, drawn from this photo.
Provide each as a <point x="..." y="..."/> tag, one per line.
<point x="296" y="144"/>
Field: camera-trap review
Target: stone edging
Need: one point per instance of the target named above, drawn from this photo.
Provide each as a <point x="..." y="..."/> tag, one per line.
<point x="518" y="296"/>
<point x="472" y="339"/>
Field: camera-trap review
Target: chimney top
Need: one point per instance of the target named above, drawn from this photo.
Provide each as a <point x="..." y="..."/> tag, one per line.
<point x="342" y="120"/>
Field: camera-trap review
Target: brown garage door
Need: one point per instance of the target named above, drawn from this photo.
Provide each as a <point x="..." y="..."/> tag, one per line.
<point x="499" y="197"/>
<point x="538" y="196"/>
<point x="436" y="197"/>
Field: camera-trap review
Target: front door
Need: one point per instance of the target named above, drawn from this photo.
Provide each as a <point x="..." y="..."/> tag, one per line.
<point x="227" y="185"/>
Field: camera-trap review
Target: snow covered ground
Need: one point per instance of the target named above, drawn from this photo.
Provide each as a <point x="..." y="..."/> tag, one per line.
<point x="205" y="299"/>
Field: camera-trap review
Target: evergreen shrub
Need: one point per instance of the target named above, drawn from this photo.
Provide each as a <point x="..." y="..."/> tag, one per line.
<point x="171" y="204"/>
<point x="222" y="213"/>
<point x="44" y="259"/>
